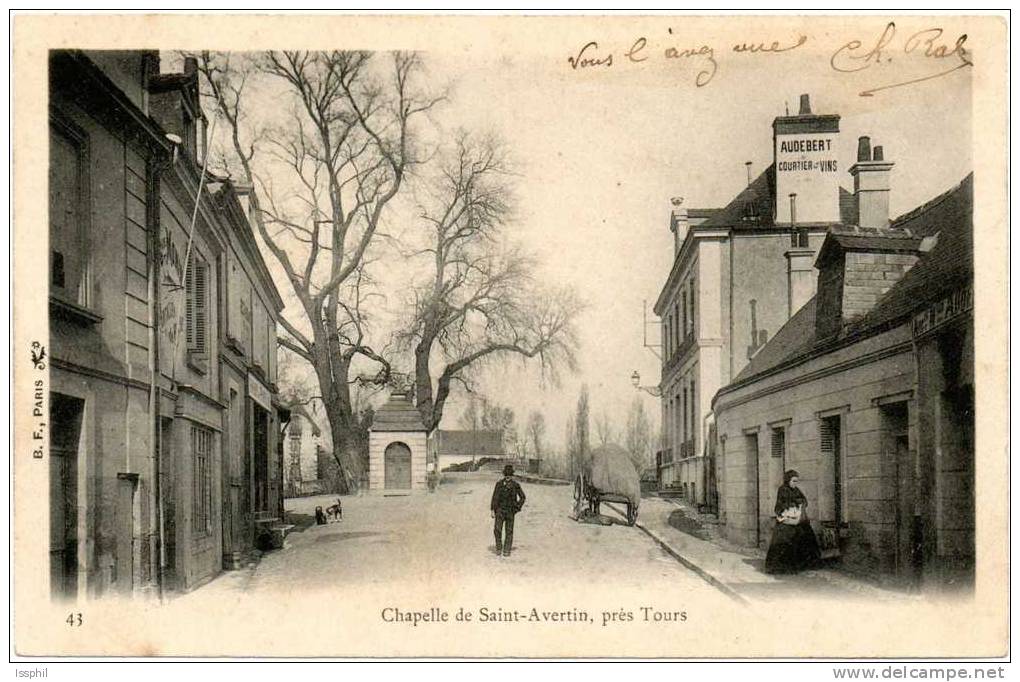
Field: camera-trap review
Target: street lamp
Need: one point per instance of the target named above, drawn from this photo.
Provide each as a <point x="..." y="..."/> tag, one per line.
<point x="635" y="380"/>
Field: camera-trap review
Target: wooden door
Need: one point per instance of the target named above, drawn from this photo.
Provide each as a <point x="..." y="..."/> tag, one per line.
<point x="397" y="466"/>
<point x="65" y="429"/>
<point x="126" y="485"/>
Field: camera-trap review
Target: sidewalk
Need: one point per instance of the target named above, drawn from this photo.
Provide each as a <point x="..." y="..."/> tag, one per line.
<point x="738" y="571"/>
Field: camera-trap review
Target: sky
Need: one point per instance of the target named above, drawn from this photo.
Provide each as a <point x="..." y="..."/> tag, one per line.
<point x="601" y="150"/>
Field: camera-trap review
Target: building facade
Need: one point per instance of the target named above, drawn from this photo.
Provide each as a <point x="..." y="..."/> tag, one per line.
<point x="307" y="446"/>
<point x="868" y="393"/>
<point x="739" y="272"/>
<point x="451" y="447"/>
<point x="150" y="432"/>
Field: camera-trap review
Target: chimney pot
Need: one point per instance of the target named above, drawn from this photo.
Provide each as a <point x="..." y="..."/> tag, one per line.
<point x="793" y="208"/>
<point x="747" y="164"/>
<point x="876" y="153"/>
<point x="864" y="148"/>
<point x="805" y="105"/>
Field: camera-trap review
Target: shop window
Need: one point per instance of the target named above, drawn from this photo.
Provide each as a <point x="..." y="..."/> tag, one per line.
<point x="201" y="502"/>
<point x="68" y="217"/>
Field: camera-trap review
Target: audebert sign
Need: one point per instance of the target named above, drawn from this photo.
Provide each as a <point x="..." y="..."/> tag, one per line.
<point x="808" y="154"/>
<point x="806" y="166"/>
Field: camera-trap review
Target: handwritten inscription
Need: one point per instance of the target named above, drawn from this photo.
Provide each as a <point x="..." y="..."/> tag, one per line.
<point x="885" y="50"/>
<point x="945" y="53"/>
<point x="595" y="56"/>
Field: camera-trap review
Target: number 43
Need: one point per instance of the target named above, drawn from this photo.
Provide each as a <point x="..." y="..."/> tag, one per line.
<point x="74" y="620"/>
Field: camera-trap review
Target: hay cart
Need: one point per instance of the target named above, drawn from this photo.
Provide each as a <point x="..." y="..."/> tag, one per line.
<point x="607" y="475"/>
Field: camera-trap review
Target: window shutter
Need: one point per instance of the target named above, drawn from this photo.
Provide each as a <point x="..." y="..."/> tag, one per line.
<point x="779" y="443"/>
<point x="195" y="306"/>
<point x="827" y="437"/>
<point x="201" y="296"/>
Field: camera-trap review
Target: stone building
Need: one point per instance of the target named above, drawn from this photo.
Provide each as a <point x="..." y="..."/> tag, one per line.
<point x="451" y="447"/>
<point x="739" y="272"/>
<point x="398" y="453"/>
<point x="163" y="435"/>
<point x="868" y="392"/>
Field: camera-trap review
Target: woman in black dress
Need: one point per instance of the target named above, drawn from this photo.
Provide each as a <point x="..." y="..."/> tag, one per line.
<point x="794" y="546"/>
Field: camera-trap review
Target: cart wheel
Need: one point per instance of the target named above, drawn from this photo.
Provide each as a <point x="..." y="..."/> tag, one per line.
<point x="631" y="514"/>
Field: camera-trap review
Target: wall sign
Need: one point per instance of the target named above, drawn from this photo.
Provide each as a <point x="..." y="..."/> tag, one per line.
<point x="944" y="310"/>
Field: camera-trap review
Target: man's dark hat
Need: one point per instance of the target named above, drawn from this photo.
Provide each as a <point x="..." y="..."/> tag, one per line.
<point x="508" y="470"/>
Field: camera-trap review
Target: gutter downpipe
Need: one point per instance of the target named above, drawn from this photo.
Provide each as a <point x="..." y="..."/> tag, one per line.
<point x="154" y="403"/>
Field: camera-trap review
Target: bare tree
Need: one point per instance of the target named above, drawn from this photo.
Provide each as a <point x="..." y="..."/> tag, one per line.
<point x="604" y="430"/>
<point x="535" y="432"/>
<point x="639" y="436"/>
<point x="323" y="181"/>
<point x="572" y="447"/>
<point x="582" y="437"/>
<point x="478" y="300"/>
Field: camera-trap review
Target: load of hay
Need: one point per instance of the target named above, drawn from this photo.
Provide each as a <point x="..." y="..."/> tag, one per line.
<point x="611" y="471"/>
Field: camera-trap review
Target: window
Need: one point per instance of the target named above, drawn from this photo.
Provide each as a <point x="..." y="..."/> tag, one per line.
<point x="690" y="316"/>
<point x="779" y="443"/>
<point x="683" y="421"/>
<point x="694" y="418"/>
<point x="68" y="216"/>
<point x="197" y="306"/>
<point x="201" y="502"/>
<point x="676" y="326"/>
<point x="682" y="317"/>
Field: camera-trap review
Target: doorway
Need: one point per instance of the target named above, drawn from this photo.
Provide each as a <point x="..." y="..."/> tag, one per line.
<point x="397" y="466"/>
<point x="260" y="447"/>
<point x="751" y="448"/>
<point x="830" y="488"/>
<point x="896" y="449"/>
<point x="65" y="434"/>
<point x="126" y="520"/>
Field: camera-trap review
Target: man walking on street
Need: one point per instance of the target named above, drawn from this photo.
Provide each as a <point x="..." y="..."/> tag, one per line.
<point x="507" y="500"/>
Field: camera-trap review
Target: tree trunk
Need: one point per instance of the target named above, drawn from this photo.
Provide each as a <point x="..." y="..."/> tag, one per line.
<point x="423" y="386"/>
<point x="337" y="399"/>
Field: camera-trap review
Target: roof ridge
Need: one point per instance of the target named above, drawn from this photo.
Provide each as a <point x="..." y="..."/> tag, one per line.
<point x="933" y="202"/>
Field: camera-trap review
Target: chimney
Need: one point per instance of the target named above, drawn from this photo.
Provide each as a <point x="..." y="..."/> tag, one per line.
<point x="800" y="276"/>
<point x="805" y="150"/>
<point x="805" y="105"/>
<point x="678" y="223"/>
<point x="747" y="164"/>
<point x="871" y="185"/>
<point x="855" y="270"/>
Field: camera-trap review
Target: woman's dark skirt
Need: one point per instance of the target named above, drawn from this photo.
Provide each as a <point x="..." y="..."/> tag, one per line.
<point x="792" y="549"/>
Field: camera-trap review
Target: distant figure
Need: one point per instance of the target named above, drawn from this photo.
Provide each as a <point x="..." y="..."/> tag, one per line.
<point x="507" y="500"/>
<point x="794" y="546"/>
<point x="320" y="517"/>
